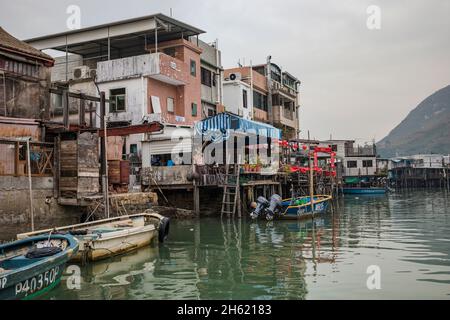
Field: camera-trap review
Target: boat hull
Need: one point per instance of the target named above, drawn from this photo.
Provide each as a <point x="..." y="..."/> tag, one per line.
<point x="364" y="190"/>
<point x="113" y="244"/>
<point x="304" y="211"/>
<point x="37" y="277"/>
<point x="125" y="234"/>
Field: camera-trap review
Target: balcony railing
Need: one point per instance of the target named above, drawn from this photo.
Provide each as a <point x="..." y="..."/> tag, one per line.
<point x="156" y="65"/>
<point x="276" y="86"/>
<point x="368" y="151"/>
<point x="284" y="117"/>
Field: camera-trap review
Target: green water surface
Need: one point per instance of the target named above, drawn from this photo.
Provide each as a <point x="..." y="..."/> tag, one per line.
<point x="405" y="235"/>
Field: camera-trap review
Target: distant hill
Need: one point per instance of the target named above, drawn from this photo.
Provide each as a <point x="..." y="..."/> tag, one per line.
<point x="426" y="129"/>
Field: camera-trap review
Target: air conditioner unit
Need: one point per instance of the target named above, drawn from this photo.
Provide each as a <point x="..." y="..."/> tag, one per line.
<point x="235" y="76"/>
<point x="82" y="72"/>
<point x="93" y="73"/>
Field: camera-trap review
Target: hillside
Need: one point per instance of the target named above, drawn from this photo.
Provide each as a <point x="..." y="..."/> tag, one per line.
<point x="426" y="129"/>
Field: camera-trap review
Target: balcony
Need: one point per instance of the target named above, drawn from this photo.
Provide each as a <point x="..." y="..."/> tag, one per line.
<point x="365" y="151"/>
<point x="284" y="117"/>
<point x="158" y="66"/>
<point x="280" y="88"/>
<point x="260" y="115"/>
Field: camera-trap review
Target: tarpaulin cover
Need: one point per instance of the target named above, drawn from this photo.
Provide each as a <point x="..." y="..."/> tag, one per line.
<point x="352" y="180"/>
<point x="226" y="122"/>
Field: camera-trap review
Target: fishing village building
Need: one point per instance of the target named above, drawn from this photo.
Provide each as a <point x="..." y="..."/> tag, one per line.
<point x="255" y="93"/>
<point x="25" y="105"/>
<point x="123" y="105"/>
<point x="420" y="171"/>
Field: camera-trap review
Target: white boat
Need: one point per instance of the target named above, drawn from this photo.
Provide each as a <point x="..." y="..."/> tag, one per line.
<point x="110" y="237"/>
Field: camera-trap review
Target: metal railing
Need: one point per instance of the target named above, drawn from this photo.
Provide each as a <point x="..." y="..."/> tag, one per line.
<point x="369" y="151"/>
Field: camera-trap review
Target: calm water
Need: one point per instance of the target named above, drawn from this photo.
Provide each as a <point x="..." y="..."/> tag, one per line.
<point x="406" y="234"/>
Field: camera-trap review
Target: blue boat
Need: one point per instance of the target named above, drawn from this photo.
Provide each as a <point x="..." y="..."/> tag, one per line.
<point x="369" y="190"/>
<point x="300" y="207"/>
<point x="293" y="208"/>
<point x="33" y="266"/>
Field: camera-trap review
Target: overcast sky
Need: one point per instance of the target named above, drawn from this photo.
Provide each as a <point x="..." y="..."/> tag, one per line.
<point x="356" y="82"/>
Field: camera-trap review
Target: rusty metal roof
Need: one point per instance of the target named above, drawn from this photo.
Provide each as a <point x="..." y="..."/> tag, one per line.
<point x="13" y="45"/>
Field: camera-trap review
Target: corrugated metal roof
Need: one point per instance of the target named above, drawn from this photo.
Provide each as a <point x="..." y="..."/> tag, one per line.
<point x="12" y="44"/>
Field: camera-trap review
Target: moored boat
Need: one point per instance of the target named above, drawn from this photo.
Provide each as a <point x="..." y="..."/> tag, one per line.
<point x="362" y="190"/>
<point x="293" y="208"/>
<point x="110" y="237"/>
<point x="33" y="266"/>
<point x="300" y="208"/>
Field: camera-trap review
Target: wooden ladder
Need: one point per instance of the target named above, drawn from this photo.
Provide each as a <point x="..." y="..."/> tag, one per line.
<point x="231" y="191"/>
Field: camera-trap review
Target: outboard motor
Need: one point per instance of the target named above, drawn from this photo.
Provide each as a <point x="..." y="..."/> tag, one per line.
<point x="261" y="205"/>
<point x="274" y="206"/>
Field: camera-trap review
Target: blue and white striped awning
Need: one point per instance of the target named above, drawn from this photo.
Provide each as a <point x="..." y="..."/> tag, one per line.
<point x="225" y="123"/>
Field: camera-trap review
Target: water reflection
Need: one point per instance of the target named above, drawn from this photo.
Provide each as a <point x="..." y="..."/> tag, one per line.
<point x="406" y="234"/>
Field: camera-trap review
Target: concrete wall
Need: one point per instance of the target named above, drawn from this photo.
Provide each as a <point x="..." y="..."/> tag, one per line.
<point x="15" y="206"/>
<point x="233" y="98"/>
<point x="259" y="81"/>
<point x="136" y="104"/>
<point x="26" y="89"/>
<point x="360" y="170"/>
<point x="211" y="59"/>
<point x="59" y="69"/>
<point x="164" y="91"/>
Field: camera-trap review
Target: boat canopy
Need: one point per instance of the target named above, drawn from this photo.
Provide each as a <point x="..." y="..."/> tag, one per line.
<point x="352" y="180"/>
<point x="227" y="122"/>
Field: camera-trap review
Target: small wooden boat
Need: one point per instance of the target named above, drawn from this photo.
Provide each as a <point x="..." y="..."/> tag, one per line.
<point x="362" y="190"/>
<point x="300" y="207"/>
<point x="293" y="208"/>
<point x="110" y="237"/>
<point x="33" y="266"/>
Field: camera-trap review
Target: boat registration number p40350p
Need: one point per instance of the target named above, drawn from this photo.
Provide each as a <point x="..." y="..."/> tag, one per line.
<point x="37" y="283"/>
<point x="3" y="282"/>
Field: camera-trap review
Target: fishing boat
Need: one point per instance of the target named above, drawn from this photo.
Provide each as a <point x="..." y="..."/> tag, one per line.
<point x="300" y="208"/>
<point x="33" y="266"/>
<point x="365" y="185"/>
<point x="293" y="208"/>
<point x="363" y="190"/>
<point x="106" y="238"/>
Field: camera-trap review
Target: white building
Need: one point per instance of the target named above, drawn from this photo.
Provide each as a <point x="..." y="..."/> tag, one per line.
<point x="238" y="97"/>
<point x="420" y="161"/>
<point x="356" y="161"/>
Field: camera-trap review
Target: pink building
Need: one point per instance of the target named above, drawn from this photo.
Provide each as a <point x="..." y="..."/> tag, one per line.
<point x="148" y="67"/>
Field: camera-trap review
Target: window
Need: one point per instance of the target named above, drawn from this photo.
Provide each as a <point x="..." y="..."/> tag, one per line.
<point x="288" y="81"/>
<point x="275" y="73"/>
<point x="194" y="109"/>
<point x="367" y="164"/>
<point x="193" y="68"/>
<point x="133" y="149"/>
<point x="118" y="100"/>
<point x="156" y="104"/>
<point x="206" y="77"/>
<point x="244" y="98"/>
<point x="170" y="105"/>
<point x="170" y="52"/>
<point x="334" y="148"/>
<point x="211" y="112"/>
<point x="259" y="101"/>
<point x="260" y="70"/>
<point x="352" y="164"/>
